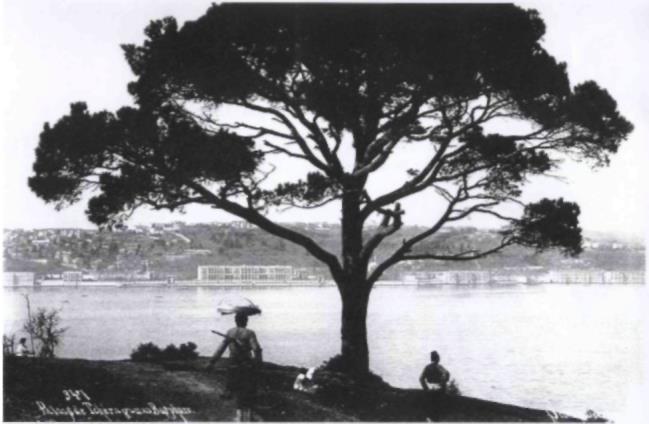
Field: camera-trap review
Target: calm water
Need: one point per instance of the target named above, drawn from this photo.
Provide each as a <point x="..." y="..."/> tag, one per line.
<point x="569" y="348"/>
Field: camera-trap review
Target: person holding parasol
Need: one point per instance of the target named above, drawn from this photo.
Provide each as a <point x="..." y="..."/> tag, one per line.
<point x="245" y="353"/>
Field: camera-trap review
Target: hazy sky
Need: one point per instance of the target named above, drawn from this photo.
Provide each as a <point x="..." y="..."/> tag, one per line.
<point x="57" y="52"/>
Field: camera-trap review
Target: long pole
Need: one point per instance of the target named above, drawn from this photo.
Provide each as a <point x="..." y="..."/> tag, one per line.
<point x="228" y="338"/>
<point x="31" y="324"/>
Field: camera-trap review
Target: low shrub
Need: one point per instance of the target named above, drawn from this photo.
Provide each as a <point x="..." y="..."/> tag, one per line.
<point x="595" y="417"/>
<point x="453" y="388"/>
<point x="146" y="352"/>
<point x="45" y="327"/>
<point x="188" y="350"/>
<point x="149" y="352"/>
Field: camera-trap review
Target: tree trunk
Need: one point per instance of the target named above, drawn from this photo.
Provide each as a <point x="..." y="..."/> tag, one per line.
<point x="352" y="284"/>
<point x="354" y="349"/>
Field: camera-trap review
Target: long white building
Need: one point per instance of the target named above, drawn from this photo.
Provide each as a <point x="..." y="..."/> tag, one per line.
<point x="245" y="273"/>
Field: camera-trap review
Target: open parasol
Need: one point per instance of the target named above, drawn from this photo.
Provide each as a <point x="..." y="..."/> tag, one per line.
<point x="237" y="305"/>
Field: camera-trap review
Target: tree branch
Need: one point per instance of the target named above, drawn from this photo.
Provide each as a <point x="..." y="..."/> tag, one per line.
<point x="317" y="205"/>
<point x="450" y="214"/>
<point x="254" y="217"/>
<point x="275" y="148"/>
<point x="378" y="161"/>
<point x="172" y="205"/>
<point x="261" y="131"/>
<point x="408" y="244"/>
<point x="385" y="230"/>
<point x="411" y="186"/>
<point x="463" y="256"/>
<point x="302" y="143"/>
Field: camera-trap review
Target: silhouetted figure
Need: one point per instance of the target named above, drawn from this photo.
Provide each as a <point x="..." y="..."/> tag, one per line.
<point x="386" y="219"/>
<point x="395" y="215"/>
<point x="22" y="349"/>
<point x="434" y="379"/>
<point x="245" y="354"/>
<point x="434" y="375"/>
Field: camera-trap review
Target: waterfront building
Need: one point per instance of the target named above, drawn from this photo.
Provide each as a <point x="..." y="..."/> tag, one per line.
<point x="577" y="276"/>
<point x="634" y="277"/>
<point x="121" y="276"/>
<point x="614" y="277"/>
<point x="452" y="277"/>
<point x="573" y="276"/>
<point x="509" y="278"/>
<point x="245" y="273"/>
<point x="18" y="279"/>
<point x="582" y="277"/>
<point x="472" y="277"/>
<point x="310" y="274"/>
<point x="444" y="277"/>
<point x="75" y="276"/>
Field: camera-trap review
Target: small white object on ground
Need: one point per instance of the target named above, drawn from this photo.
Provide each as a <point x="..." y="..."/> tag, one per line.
<point x="304" y="382"/>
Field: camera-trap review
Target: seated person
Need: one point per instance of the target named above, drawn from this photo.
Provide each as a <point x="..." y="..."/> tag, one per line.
<point x="22" y="349"/>
<point x="434" y="376"/>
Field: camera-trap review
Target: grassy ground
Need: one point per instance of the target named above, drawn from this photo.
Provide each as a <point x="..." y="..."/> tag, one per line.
<point x="34" y="390"/>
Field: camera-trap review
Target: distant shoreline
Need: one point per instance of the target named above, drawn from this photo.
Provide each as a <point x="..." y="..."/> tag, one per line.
<point x="283" y="284"/>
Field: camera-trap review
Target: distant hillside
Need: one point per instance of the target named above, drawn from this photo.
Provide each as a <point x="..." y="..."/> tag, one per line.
<point x="177" y="249"/>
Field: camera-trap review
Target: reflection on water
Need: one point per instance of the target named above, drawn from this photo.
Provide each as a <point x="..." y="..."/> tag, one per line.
<point x="569" y="348"/>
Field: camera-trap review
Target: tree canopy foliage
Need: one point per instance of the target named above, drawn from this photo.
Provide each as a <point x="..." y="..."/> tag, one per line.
<point x="320" y="80"/>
